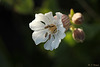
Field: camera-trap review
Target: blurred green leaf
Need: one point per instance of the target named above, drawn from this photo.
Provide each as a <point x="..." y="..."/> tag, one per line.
<point x="69" y="39"/>
<point x="91" y="30"/>
<point x="4" y="55"/>
<point x="49" y="5"/>
<point x="20" y="6"/>
<point x="8" y="2"/>
<point x="24" y="6"/>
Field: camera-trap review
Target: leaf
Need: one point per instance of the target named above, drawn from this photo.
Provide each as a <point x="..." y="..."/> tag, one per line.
<point x="4" y="55"/>
<point x="69" y="39"/>
<point x="24" y="6"/>
<point x="91" y="30"/>
<point x="7" y="2"/>
<point x="49" y="5"/>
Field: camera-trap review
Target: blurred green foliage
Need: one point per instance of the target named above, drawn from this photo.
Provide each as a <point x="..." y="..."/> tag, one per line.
<point x="21" y="6"/>
<point x="24" y="6"/>
<point x="49" y="5"/>
<point x="23" y="52"/>
<point x="69" y="39"/>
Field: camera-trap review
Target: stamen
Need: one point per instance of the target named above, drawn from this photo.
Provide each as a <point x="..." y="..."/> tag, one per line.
<point x="46" y="27"/>
<point x="54" y="36"/>
<point x="52" y="25"/>
<point x="49" y="36"/>
<point x="42" y="22"/>
<point x="46" y="34"/>
<point x="52" y="28"/>
<point x="55" y="30"/>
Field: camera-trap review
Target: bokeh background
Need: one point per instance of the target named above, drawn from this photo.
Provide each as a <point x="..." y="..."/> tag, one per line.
<point x="17" y="49"/>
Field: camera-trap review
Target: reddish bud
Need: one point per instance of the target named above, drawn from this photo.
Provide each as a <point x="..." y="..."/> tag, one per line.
<point x="65" y="21"/>
<point x="78" y="35"/>
<point x="77" y="18"/>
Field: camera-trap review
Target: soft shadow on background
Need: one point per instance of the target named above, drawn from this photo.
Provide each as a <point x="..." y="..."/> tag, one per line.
<point x="17" y="49"/>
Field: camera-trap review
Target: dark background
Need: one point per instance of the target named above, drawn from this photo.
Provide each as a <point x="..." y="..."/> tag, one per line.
<point x="17" y="49"/>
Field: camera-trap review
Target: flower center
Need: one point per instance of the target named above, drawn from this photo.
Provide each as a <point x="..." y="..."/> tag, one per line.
<point x="52" y="28"/>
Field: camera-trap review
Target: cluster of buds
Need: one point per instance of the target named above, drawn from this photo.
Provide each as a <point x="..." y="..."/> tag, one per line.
<point x="70" y="21"/>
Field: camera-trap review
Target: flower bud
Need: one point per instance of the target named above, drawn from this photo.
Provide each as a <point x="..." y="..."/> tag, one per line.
<point x="65" y="21"/>
<point x="78" y="35"/>
<point x="77" y="18"/>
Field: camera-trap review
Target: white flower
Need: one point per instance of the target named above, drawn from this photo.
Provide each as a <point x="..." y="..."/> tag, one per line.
<point x="48" y="29"/>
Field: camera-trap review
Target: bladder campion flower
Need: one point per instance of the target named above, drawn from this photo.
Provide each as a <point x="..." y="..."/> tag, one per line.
<point x="48" y="29"/>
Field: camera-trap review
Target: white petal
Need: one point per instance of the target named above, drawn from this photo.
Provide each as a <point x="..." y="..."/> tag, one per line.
<point x="42" y="17"/>
<point x="55" y="22"/>
<point x="61" y="31"/>
<point x="59" y="15"/>
<point x="61" y="35"/>
<point x="61" y="28"/>
<point x="47" y="45"/>
<point x="59" y="18"/>
<point x="39" y="36"/>
<point x="50" y="17"/>
<point x="56" y="42"/>
<point x="36" y="25"/>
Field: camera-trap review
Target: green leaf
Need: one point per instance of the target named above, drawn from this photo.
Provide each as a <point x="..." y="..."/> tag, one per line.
<point x="4" y="55"/>
<point x="49" y="5"/>
<point x="8" y="2"/>
<point x="69" y="39"/>
<point x="91" y="30"/>
<point x="24" y="6"/>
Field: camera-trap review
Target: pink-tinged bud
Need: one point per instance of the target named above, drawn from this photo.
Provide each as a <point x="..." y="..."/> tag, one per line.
<point x="77" y="18"/>
<point x="65" y="21"/>
<point x="78" y="35"/>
